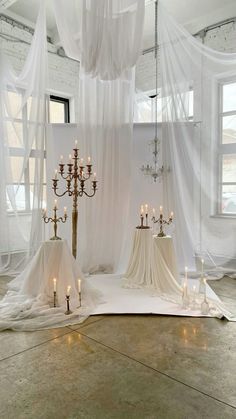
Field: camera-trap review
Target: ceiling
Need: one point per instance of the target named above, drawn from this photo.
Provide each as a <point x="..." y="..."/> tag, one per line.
<point x="194" y="14"/>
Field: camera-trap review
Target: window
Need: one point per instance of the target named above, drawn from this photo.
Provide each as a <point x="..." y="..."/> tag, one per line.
<point x="145" y="107"/>
<point x="19" y="170"/>
<point x="59" y="110"/>
<point x="227" y="149"/>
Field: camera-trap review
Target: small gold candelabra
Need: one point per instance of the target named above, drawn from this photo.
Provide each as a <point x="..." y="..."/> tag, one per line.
<point x="54" y="220"/>
<point x="142" y="226"/>
<point x="162" y="222"/>
<point x="75" y="178"/>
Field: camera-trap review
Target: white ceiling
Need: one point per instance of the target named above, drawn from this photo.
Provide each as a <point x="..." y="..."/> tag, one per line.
<point x="194" y="14"/>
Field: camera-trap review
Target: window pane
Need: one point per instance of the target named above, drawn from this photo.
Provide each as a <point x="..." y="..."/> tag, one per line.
<point x="16" y="165"/>
<point x="229" y="199"/>
<point x="14" y="134"/>
<point x="14" y="103"/>
<point x="57" y="112"/>
<point x="229" y="129"/>
<point x="229" y="97"/>
<point x="18" y="194"/>
<point x="229" y="168"/>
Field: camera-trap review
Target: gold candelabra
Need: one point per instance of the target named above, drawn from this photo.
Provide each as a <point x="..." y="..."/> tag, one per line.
<point x="162" y="222"/>
<point x="75" y="178"/>
<point x="54" y="220"/>
<point x="142" y="226"/>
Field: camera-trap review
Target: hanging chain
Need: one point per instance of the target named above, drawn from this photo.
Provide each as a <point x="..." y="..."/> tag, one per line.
<point x="156" y="58"/>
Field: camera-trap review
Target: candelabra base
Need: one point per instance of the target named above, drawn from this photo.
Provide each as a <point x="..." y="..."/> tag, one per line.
<point x="55" y="238"/>
<point x="142" y="227"/>
<point x="161" y="234"/>
<point x="68" y="312"/>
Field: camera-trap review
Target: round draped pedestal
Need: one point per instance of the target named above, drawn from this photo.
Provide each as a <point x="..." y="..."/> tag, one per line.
<point x="152" y="263"/>
<point x="29" y="303"/>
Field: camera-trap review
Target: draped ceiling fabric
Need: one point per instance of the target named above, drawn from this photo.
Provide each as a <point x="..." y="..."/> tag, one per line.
<point x="106" y="37"/>
<point x="190" y="149"/>
<point x="22" y="118"/>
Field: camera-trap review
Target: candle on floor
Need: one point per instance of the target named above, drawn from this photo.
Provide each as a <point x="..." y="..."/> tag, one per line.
<point x="146" y="209"/>
<point x="54" y="284"/>
<point x="68" y="291"/>
<point x="202" y="261"/>
<point x="141" y="210"/>
<point x="79" y="285"/>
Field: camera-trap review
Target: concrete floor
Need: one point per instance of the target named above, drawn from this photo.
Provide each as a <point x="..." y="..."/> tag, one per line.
<point x="134" y="367"/>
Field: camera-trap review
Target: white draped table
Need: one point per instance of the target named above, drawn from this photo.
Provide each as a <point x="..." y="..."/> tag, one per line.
<point x="152" y="263"/>
<point x="28" y="305"/>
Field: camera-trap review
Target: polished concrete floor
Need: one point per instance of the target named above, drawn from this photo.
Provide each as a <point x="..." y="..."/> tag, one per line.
<point x="134" y="367"/>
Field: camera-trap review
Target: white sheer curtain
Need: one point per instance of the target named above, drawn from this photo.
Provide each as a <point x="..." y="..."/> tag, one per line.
<point x="22" y="118"/>
<point x="104" y="35"/>
<point x="108" y="42"/>
<point x="190" y="149"/>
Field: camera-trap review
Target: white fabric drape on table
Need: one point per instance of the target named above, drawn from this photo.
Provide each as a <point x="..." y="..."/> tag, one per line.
<point x="22" y="118"/>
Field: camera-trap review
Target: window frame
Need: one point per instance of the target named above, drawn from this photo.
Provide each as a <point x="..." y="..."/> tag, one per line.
<point x="223" y="149"/>
<point x="19" y="152"/>
<point x="66" y="103"/>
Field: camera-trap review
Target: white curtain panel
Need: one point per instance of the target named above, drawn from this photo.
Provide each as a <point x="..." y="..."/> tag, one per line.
<point x="191" y="148"/>
<point x="22" y="118"/>
<point x="106" y="37"/>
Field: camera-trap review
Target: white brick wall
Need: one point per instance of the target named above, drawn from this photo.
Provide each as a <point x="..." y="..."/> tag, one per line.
<point x="222" y="38"/>
<point x="63" y="72"/>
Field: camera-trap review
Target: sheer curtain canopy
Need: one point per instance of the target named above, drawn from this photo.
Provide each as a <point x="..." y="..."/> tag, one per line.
<point x="193" y="145"/>
<point x="22" y="119"/>
<point x="105" y="35"/>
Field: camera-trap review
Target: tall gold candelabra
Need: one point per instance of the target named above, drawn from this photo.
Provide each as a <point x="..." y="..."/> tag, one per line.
<point x="162" y="222"/>
<point x="75" y="178"/>
<point x="54" y="220"/>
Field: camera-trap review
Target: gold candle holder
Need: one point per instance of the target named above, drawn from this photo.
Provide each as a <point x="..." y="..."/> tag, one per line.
<point x="68" y="311"/>
<point x="142" y="226"/>
<point x="76" y="176"/>
<point x="54" y="298"/>
<point x="162" y="222"/>
<point x="55" y="219"/>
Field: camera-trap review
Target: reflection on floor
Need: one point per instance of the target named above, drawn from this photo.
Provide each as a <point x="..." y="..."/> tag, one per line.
<point x="134" y="367"/>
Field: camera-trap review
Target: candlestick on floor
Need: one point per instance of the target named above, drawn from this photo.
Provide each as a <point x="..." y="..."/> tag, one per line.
<point x="80" y="299"/>
<point x="76" y="175"/>
<point x="54" y="298"/>
<point x="68" y="311"/>
<point x="54" y="220"/>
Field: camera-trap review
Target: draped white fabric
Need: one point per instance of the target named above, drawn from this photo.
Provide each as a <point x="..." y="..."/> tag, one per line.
<point x="190" y="149"/>
<point x="108" y="43"/>
<point x="104" y="35"/>
<point x="22" y="118"/>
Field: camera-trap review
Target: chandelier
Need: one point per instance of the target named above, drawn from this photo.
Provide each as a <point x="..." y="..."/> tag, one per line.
<point x="153" y="169"/>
